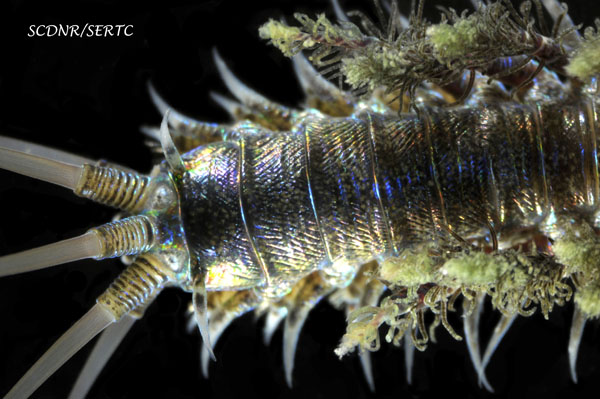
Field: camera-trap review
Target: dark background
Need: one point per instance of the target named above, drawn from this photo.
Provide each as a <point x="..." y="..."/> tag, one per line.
<point x="88" y="96"/>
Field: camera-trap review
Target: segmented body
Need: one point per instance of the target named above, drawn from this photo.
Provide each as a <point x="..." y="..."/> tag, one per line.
<point x="390" y="369"/>
<point x="340" y="192"/>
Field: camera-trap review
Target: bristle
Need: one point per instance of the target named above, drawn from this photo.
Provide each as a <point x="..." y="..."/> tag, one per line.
<point x="312" y="82"/>
<point x="338" y="11"/>
<point x="321" y="94"/>
<point x="299" y="302"/>
<point x="190" y="326"/>
<point x="176" y="118"/>
<point x="242" y="92"/>
<point x="370" y="296"/>
<point x="223" y="308"/>
<point x="188" y="133"/>
<point x="92" y="323"/>
<point x="169" y="150"/>
<point x="130" y="236"/>
<point x="409" y="356"/>
<point x="501" y="328"/>
<point x="401" y="18"/>
<point x="272" y="321"/>
<point x="471" y="329"/>
<point x="577" y="326"/>
<point x="270" y="115"/>
<point x="555" y="9"/>
<point x="291" y="332"/>
<point x="215" y="329"/>
<point x="46" y="169"/>
<point x="42" y="151"/>
<point x="367" y="368"/>
<point x="151" y="132"/>
<point x="233" y="108"/>
<point x="215" y="332"/>
<point x="201" y="314"/>
<point x="160" y="104"/>
<point x="103" y="350"/>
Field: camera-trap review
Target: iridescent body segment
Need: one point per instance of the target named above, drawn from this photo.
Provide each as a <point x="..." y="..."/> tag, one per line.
<point x="252" y="196"/>
<point x="268" y="208"/>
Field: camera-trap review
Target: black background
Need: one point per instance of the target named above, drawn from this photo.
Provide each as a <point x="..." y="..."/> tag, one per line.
<point x="88" y="96"/>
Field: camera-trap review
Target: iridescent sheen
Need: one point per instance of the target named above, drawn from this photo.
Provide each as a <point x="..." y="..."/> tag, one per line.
<point x="264" y="209"/>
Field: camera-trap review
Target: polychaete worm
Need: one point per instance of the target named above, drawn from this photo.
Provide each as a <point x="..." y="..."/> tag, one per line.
<point x="90" y="97"/>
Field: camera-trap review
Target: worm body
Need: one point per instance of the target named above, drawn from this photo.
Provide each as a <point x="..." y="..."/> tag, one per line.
<point x="353" y="189"/>
<point x="271" y="204"/>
